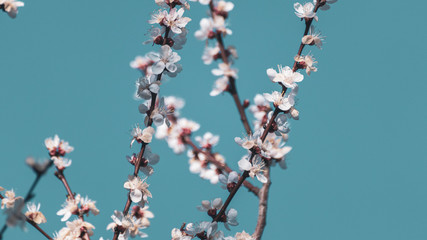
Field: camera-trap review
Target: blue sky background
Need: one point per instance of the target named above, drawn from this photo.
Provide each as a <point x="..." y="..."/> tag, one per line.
<point x="358" y="167"/>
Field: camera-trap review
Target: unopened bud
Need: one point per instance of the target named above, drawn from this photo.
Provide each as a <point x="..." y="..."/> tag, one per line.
<point x="158" y="40"/>
<point x="211" y="35"/>
<point x="230" y="186"/>
<point x="170" y="42"/>
<point x="212" y="212"/>
<point x="294" y="113"/>
<point x="246" y="103"/>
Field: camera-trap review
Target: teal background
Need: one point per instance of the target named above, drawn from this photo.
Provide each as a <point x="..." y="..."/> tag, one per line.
<point x="358" y="165"/>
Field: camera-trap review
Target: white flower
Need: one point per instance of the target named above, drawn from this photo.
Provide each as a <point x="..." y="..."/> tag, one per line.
<point x="69" y="208"/>
<point x="231" y="218"/>
<point x="150" y="158"/>
<point x="174" y="104"/>
<point x="57" y="146"/>
<point x="14" y="214"/>
<point x="37" y="166"/>
<point x="216" y="204"/>
<point x="143" y="64"/>
<point x="178" y="235"/>
<point x="250" y="141"/>
<point x="229" y="181"/>
<point x="260" y="108"/>
<point x="187" y="126"/>
<point x="211" y="174"/>
<point x="129" y="226"/>
<point x="143" y="214"/>
<point x="208" y="141"/>
<point x="209" y="54"/>
<point x="142" y="135"/>
<point x="160" y="113"/>
<point x="138" y="189"/>
<point x="206" y="29"/>
<point x="11" y="7"/>
<point x="282" y="124"/>
<point x="165" y="59"/>
<point x="158" y="18"/>
<point x="155" y="36"/>
<point x="255" y="168"/>
<point x="147" y="85"/>
<point x="34" y="213"/>
<point x="285" y="76"/>
<point x="223" y="6"/>
<point x="175" y="21"/>
<point x="9" y="200"/>
<point x="313" y="38"/>
<point x="225" y="70"/>
<point x="74" y="230"/>
<point x="220" y="85"/>
<point x="243" y="236"/>
<point x="306" y="62"/>
<point x="61" y="163"/>
<point x="208" y="227"/>
<point x="87" y="205"/>
<point x="325" y="5"/>
<point x="306" y="11"/>
<point x="283" y="103"/>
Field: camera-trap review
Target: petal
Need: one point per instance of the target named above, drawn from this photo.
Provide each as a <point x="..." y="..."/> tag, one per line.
<point x="261" y="178"/>
<point x="244" y="164"/>
<point x="136" y="196"/>
<point x="158" y="67"/>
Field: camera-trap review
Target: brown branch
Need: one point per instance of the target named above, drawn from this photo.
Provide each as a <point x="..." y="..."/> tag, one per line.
<point x="232" y="89"/>
<point x="143" y="145"/>
<point x="245" y="173"/>
<point x="263" y="195"/>
<point x="263" y="203"/>
<point x="35" y="225"/>
<point x="221" y="166"/>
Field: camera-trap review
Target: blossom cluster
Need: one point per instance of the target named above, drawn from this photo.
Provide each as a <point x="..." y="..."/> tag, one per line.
<point x="10" y="7"/>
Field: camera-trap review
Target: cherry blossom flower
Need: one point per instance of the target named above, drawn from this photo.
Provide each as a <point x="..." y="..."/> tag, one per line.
<point x="208" y="227"/>
<point x="174" y="104"/>
<point x="138" y="189"/>
<point x="166" y="59"/>
<point x="15" y="217"/>
<point x="142" y="135"/>
<point x="220" y="85"/>
<point x="225" y="70"/>
<point x="260" y="108"/>
<point x="74" y="230"/>
<point x="57" y="146"/>
<point x="143" y="64"/>
<point x="215" y="205"/>
<point x="285" y="76"/>
<point x="9" y="200"/>
<point x="206" y="29"/>
<point x="38" y="167"/>
<point x="306" y="62"/>
<point x="223" y="7"/>
<point x="243" y="236"/>
<point x="148" y="160"/>
<point x="147" y="85"/>
<point x="175" y="21"/>
<point x="231" y="218"/>
<point x="143" y="214"/>
<point x="283" y="103"/>
<point x="69" y="208"/>
<point x="313" y="38"/>
<point x="87" y="205"/>
<point x="305" y="11"/>
<point x="61" y="163"/>
<point x="229" y="182"/>
<point x="324" y="5"/>
<point x="255" y="168"/>
<point x="211" y="174"/>
<point x="11" y="7"/>
<point x="178" y="235"/>
<point x="209" y="54"/>
<point x="208" y="140"/>
<point x="155" y="36"/>
<point x="34" y="214"/>
<point x="158" y="17"/>
<point x="129" y="226"/>
<point x="281" y="123"/>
